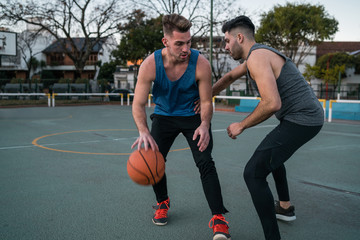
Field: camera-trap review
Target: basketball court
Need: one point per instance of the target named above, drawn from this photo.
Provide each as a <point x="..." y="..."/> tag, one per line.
<point x="63" y="176"/>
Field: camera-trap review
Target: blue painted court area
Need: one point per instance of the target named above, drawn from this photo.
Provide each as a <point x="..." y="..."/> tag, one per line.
<point x="63" y="176"/>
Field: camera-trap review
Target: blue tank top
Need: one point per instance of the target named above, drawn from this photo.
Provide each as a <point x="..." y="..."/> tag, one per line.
<point x="175" y="98"/>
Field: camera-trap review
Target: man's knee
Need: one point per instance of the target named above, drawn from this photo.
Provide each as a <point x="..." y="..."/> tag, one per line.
<point x="248" y="174"/>
<point x="258" y="165"/>
<point x="206" y="166"/>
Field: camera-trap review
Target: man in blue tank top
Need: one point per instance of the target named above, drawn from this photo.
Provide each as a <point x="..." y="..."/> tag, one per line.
<point x="180" y="76"/>
<point x="285" y="93"/>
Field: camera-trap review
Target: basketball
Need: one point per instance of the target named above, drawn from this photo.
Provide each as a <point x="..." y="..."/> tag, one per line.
<point x="146" y="167"/>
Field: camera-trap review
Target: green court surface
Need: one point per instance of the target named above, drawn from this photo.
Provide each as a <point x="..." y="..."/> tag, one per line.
<point x="63" y="177"/>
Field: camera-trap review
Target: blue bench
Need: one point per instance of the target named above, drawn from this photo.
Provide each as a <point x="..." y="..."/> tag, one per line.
<point x="347" y="111"/>
<point x="247" y="105"/>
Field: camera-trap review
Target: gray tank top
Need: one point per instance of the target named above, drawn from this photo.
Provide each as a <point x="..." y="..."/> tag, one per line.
<point x="298" y="101"/>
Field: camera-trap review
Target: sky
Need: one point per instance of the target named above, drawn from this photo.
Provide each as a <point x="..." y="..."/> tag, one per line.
<point x="346" y="12"/>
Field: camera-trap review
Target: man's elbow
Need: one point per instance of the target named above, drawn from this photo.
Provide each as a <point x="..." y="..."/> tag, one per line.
<point x="138" y="105"/>
<point x="275" y="106"/>
<point x="272" y="106"/>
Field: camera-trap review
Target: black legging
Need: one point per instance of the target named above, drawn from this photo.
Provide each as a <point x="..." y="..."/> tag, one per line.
<point x="277" y="147"/>
<point x="164" y="130"/>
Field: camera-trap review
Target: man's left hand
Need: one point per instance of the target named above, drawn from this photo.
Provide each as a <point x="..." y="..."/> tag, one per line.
<point x="204" y="140"/>
<point x="234" y="129"/>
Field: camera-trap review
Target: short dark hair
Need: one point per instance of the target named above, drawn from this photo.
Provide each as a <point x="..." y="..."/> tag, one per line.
<point x="242" y="22"/>
<point x="175" y="22"/>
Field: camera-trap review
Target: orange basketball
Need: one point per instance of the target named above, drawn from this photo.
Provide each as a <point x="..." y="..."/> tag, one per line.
<point x="146" y="167"/>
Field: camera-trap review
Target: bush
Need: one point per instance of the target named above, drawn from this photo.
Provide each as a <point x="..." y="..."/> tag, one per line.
<point x="65" y="80"/>
<point x="82" y="80"/>
<point x="17" y="80"/>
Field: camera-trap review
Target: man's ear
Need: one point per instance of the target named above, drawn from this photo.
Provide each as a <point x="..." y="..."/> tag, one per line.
<point x="240" y="37"/>
<point x="164" y="41"/>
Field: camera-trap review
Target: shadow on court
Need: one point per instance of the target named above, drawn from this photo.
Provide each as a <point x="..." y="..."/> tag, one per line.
<point x="63" y="176"/>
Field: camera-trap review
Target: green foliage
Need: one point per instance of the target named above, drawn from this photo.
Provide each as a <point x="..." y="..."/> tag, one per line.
<point x="65" y="80"/>
<point x="82" y="80"/>
<point x="140" y="37"/>
<point x="311" y="72"/>
<point x="107" y="70"/>
<point x="94" y="21"/>
<point x="331" y="60"/>
<point x="17" y="80"/>
<point x="295" y="23"/>
<point x="288" y="27"/>
<point x="34" y="63"/>
<point x="8" y="75"/>
<point x="102" y="82"/>
<point x="331" y="75"/>
<point x="357" y="64"/>
<point x="329" y="66"/>
<point x="47" y="74"/>
<point x="42" y="63"/>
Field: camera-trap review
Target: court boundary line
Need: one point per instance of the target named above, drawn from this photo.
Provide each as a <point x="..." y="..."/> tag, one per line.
<point x="35" y="143"/>
<point x="44" y="146"/>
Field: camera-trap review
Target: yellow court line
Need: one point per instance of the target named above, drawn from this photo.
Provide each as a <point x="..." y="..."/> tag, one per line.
<point x="180" y="149"/>
<point x="35" y="142"/>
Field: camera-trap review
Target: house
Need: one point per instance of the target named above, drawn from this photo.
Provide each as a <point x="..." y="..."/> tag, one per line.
<point x="124" y="77"/>
<point x="62" y="66"/>
<point x="29" y="43"/>
<point x="45" y="48"/>
<point x="348" y="87"/>
<point x="332" y="47"/>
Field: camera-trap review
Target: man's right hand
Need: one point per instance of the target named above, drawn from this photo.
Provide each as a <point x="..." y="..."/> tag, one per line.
<point x="197" y="107"/>
<point x="147" y="140"/>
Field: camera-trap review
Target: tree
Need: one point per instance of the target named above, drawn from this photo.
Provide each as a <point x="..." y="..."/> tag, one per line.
<point x="331" y="60"/>
<point x="221" y="60"/>
<point x="26" y="45"/>
<point x="295" y="29"/>
<point x="357" y="63"/>
<point x="197" y="11"/>
<point x="107" y="70"/>
<point x="141" y="37"/>
<point x="312" y="72"/>
<point x="186" y="8"/>
<point x="173" y="6"/>
<point x="330" y="67"/>
<point x="66" y="19"/>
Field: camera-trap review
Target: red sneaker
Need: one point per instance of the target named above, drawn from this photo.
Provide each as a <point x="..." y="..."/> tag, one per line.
<point x="220" y="227"/>
<point x="160" y="216"/>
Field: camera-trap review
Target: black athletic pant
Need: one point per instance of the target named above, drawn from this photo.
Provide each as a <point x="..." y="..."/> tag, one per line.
<point x="277" y="147"/>
<point x="164" y="130"/>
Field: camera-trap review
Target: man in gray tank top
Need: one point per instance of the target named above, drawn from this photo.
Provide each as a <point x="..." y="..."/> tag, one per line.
<point x="285" y="93"/>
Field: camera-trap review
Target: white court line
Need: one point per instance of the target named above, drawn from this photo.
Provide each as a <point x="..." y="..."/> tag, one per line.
<point x="341" y="134"/>
<point x="321" y="131"/>
<point x="262" y="126"/>
<point x="335" y="147"/>
<point x="16" y="147"/>
<point x="98" y="141"/>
